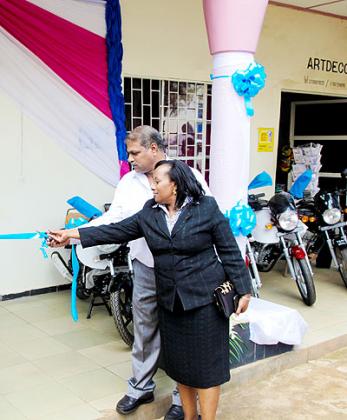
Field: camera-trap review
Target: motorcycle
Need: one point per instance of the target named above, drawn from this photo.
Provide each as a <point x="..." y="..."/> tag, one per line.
<point x="277" y="235"/>
<point x="110" y="277"/>
<point x="105" y="273"/>
<point x="326" y="236"/>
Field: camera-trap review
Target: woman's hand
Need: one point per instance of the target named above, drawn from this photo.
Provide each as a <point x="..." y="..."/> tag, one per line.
<point x="243" y="304"/>
<point x="59" y="238"/>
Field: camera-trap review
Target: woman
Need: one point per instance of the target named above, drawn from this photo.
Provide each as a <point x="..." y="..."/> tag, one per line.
<point x="184" y="229"/>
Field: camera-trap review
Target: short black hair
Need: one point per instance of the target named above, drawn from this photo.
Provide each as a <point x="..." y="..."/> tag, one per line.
<point x="186" y="183"/>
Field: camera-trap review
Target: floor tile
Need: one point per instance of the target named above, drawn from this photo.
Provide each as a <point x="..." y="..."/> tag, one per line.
<point x="20" y="333"/>
<point x="8" y="411"/>
<point x="18" y="377"/>
<point x="78" y="412"/>
<point x="9" y="357"/>
<point x="60" y="325"/>
<point x="124" y="370"/>
<point x="84" y="338"/>
<point x="107" y="403"/>
<point x="95" y="384"/>
<point x="64" y="365"/>
<point x="9" y="320"/>
<point x="108" y="354"/>
<point x="40" y="347"/>
<point x="39" y="312"/>
<point x="104" y="324"/>
<point x="165" y="385"/>
<point x="43" y="400"/>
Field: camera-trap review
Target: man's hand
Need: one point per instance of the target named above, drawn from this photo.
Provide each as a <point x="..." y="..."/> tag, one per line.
<point x="59" y="238"/>
<point x="243" y="304"/>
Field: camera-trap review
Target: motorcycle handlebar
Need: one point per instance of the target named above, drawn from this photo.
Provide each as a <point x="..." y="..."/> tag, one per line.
<point x="257" y="195"/>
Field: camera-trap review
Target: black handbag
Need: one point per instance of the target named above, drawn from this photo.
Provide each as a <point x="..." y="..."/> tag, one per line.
<point x="226" y="298"/>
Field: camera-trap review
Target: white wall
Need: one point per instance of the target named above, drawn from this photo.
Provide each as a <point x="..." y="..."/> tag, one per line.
<point x="162" y="39"/>
<point x="36" y="179"/>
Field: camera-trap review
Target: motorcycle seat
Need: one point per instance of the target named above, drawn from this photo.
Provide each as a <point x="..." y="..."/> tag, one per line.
<point x="110" y="255"/>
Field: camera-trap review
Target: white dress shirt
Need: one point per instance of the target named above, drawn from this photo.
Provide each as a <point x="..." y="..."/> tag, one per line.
<point x="131" y="193"/>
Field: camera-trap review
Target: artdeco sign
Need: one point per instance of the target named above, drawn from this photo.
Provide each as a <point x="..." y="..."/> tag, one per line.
<point x="322" y="64"/>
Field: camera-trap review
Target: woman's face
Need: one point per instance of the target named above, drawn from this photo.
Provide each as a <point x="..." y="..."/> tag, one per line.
<point x="163" y="188"/>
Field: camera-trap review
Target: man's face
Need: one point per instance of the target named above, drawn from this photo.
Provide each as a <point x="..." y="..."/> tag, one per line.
<point x="142" y="159"/>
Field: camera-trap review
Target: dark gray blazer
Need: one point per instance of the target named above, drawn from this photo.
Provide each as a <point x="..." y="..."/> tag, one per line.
<point x="185" y="262"/>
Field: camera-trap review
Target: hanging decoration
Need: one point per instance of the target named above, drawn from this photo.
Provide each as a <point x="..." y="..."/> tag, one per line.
<point x="77" y="58"/>
<point x="114" y="66"/>
<point x="247" y="83"/>
<point x="242" y="219"/>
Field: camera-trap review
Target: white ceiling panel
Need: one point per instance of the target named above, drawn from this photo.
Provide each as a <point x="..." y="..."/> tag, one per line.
<point x="301" y="3"/>
<point x="335" y="8"/>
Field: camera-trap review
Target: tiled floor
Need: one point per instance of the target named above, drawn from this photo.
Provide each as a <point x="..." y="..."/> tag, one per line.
<point x="53" y="368"/>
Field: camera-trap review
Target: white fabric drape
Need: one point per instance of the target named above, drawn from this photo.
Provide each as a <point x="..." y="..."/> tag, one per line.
<point x="89" y="14"/>
<point x="270" y="323"/>
<point x="77" y="126"/>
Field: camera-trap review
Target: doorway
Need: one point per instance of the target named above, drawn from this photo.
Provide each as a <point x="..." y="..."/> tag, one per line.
<point x="306" y="118"/>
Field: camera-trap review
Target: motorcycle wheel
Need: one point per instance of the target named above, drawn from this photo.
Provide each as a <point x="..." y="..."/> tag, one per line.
<point x="304" y="281"/>
<point x="121" y="308"/>
<point x="341" y="256"/>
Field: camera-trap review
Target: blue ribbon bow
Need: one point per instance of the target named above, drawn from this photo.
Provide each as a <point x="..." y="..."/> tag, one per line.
<point x="248" y="83"/>
<point x="241" y="218"/>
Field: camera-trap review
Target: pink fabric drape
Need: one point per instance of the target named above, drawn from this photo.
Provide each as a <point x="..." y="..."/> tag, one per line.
<point x="73" y="53"/>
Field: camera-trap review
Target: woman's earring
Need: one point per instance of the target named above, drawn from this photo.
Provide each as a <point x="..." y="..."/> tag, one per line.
<point x="175" y="192"/>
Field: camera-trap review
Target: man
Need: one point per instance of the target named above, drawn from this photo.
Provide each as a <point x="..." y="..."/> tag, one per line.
<point x="145" y="148"/>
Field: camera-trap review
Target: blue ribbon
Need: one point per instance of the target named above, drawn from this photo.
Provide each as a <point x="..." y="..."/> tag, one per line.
<point x="73" y="223"/>
<point x="75" y="271"/>
<point x="247" y="83"/>
<point x="242" y="219"/>
<point x="30" y="235"/>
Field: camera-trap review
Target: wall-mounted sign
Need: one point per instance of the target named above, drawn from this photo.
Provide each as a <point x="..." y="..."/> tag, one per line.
<point x="334" y="69"/>
<point x="265" y="139"/>
<point x="324" y="64"/>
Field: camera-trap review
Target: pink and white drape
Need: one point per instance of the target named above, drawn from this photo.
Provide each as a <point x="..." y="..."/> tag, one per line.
<point x="57" y="72"/>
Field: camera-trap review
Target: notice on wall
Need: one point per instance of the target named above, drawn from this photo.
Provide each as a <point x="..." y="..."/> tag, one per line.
<point x="326" y="73"/>
<point x="265" y="139"/>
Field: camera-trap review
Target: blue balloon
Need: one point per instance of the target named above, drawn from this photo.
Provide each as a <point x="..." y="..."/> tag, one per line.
<point x="301" y="183"/>
<point x="261" y="180"/>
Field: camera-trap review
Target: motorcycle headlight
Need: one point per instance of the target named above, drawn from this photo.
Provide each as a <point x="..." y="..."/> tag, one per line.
<point x="288" y="220"/>
<point x="332" y="216"/>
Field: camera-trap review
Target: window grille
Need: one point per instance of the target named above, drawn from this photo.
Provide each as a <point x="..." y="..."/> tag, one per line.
<point x="180" y="110"/>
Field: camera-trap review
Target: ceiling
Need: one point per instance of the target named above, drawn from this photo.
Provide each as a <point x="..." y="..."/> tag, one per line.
<point x="330" y="7"/>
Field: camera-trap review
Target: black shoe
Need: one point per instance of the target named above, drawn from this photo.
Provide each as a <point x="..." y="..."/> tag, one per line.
<point x="129" y="404"/>
<point x="175" y="413"/>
